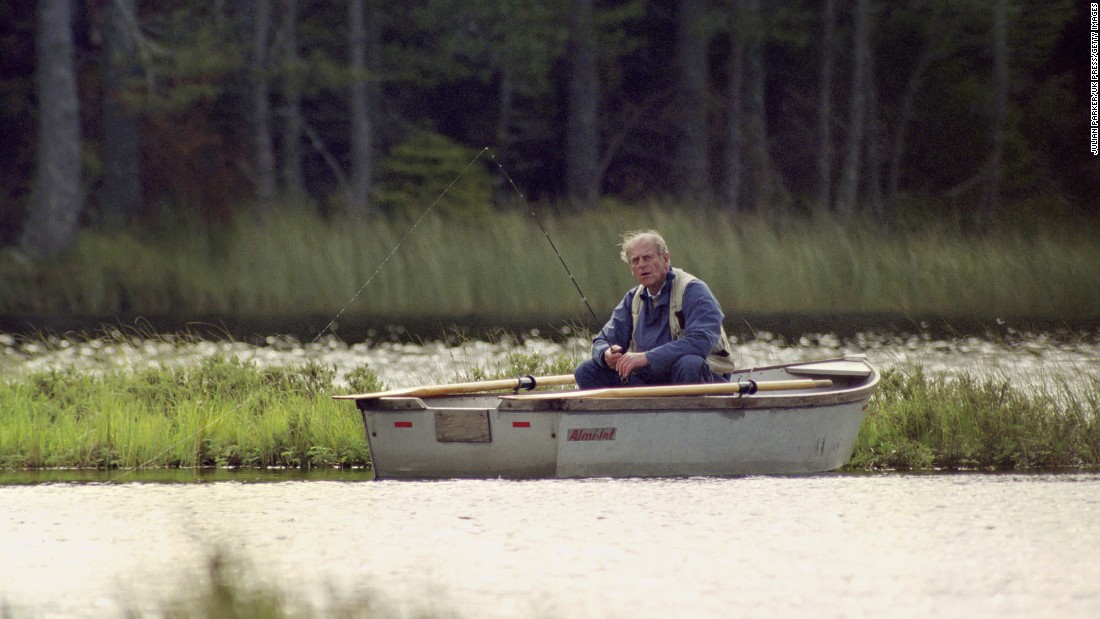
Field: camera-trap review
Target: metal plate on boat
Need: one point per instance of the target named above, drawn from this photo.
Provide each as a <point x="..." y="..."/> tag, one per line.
<point x="462" y="426"/>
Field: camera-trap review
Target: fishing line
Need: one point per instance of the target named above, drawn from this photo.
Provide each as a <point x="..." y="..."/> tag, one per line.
<point x="377" y="270"/>
<point x="531" y="210"/>
<point x="399" y="244"/>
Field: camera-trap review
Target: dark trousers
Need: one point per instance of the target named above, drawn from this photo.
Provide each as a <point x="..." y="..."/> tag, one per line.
<point x="687" y="370"/>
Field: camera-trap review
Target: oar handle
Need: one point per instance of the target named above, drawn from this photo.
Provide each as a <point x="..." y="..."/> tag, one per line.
<point x="523" y="382"/>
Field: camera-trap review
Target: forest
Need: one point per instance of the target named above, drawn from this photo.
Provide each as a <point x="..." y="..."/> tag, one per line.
<point x="130" y="116"/>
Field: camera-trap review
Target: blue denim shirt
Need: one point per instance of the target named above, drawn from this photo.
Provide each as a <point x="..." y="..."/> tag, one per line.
<point x="702" y="326"/>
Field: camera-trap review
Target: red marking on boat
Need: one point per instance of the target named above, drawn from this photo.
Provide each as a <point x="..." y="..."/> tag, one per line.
<point x="521" y="424"/>
<point x="592" y="434"/>
<point x="402" y="424"/>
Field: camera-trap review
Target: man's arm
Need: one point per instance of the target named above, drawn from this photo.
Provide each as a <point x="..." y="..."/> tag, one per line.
<point x="616" y="332"/>
<point x="702" y="328"/>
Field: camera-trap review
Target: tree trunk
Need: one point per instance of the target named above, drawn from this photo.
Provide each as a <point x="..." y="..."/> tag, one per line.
<point x="54" y="212"/>
<point x="290" y="110"/>
<point x="825" y="110"/>
<point x="873" y="142"/>
<point x="263" y="152"/>
<point x="760" y="156"/>
<point x="735" y="104"/>
<point x="583" y="141"/>
<point x="904" y="118"/>
<point x="121" y="134"/>
<point x="506" y="95"/>
<point x="1000" y="103"/>
<point x="361" y="127"/>
<point x="848" y="192"/>
<point x="691" y="118"/>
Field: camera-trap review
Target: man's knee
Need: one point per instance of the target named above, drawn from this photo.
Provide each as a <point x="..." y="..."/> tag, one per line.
<point x="691" y="369"/>
<point x="590" y="375"/>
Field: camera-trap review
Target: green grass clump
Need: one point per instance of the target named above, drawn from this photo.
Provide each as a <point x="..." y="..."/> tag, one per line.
<point x="918" y="421"/>
<point x="219" y="412"/>
<point x="229" y="589"/>
<point x="517" y="363"/>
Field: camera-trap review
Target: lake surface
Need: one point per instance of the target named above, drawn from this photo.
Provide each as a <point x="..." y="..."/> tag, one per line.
<point x="1024" y="357"/>
<point x="838" y="545"/>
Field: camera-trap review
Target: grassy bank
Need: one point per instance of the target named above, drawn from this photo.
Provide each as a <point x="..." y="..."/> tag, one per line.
<point x="220" y="412"/>
<point x="223" y="412"/>
<point x="919" y="421"/>
<point x="297" y="263"/>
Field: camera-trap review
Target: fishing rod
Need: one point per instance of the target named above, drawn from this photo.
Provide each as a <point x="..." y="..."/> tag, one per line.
<point x="385" y="260"/>
<point x="399" y="244"/>
<point x="531" y="210"/>
<point x="370" y="279"/>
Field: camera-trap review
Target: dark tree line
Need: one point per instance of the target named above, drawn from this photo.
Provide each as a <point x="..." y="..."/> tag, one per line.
<point x="130" y="112"/>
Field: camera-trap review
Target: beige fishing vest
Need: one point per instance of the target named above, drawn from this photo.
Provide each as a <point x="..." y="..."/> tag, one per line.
<point x="720" y="359"/>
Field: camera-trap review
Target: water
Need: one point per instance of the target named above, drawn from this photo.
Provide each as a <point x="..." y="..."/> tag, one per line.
<point x="974" y="545"/>
<point x="1023" y="357"/>
<point x="978" y="545"/>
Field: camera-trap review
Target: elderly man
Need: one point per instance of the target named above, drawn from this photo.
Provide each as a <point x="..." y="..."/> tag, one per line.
<point x="667" y="330"/>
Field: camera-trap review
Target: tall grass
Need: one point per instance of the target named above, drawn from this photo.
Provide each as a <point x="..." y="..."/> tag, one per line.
<point x="224" y="412"/>
<point x="220" y="412"/>
<point x="920" y="421"/>
<point x="297" y="263"/>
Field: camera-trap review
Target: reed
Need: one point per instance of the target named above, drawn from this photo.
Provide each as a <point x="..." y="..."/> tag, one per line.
<point x="219" y="412"/>
<point x="296" y="263"/>
<point x="230" y="587"/>
<point x="224" y="412"/>
<point x="919" y="421"/>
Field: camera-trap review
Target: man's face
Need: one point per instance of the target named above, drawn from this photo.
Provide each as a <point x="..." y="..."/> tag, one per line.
<point x="649" y="267"/>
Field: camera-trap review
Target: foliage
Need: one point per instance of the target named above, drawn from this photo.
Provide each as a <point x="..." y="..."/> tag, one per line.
<point x="363" y="379"/>
<point x="221" y="411"/>
<point x="495" y="74"/>
<point x="521" y="363"/>
<point x="225" y="412"/>
<point x="429" y="171"/>
<point x="917" y="421"/>
<point x="231" y="590"/>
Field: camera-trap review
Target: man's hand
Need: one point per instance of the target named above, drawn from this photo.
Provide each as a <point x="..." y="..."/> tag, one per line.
<point x="629" y="362"/>
<point x="612" y="355"/>
<point x="624" y="363"/>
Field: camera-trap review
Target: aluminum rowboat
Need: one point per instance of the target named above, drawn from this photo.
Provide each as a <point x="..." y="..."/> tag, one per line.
<point x="571" y="434"/>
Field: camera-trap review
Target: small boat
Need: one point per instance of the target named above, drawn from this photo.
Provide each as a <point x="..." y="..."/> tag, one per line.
<point x="784" y="419"/>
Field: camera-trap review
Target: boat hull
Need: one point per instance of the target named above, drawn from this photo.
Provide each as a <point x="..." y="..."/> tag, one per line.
<point x="492" y="436"/>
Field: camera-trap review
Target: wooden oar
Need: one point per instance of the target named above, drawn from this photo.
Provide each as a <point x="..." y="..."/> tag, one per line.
<point x="746" y="387"/>
<point x="524" y="382"/>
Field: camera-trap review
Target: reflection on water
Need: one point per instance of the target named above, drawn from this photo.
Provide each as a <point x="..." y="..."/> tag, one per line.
<point x="893" y="545"/>
<point x="1019" y="356"/>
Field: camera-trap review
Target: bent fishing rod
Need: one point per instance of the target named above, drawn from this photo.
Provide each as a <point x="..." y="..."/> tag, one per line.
<point x="549" y="240"/>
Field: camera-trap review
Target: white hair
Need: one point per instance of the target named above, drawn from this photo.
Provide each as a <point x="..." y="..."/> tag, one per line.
<point x="630" y="239"/>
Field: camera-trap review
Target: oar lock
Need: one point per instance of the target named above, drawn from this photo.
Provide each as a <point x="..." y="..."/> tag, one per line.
<point x="746" y="387"/>
<point x="525" y="382"/>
